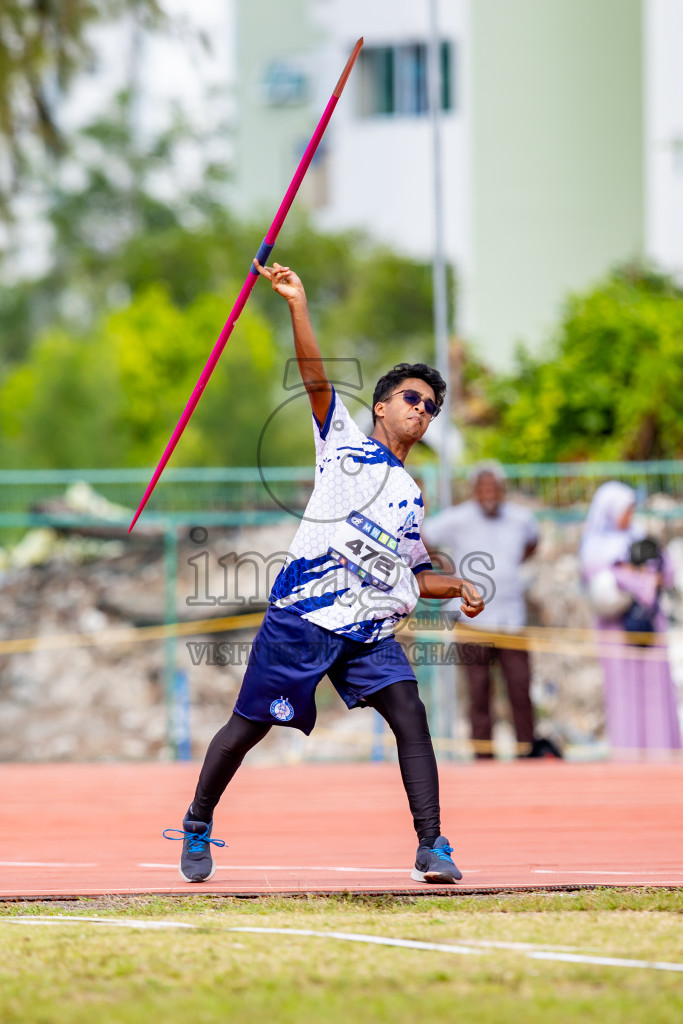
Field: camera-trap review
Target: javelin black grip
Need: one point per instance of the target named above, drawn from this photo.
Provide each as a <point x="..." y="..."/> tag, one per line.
<point x="262" y="255"/>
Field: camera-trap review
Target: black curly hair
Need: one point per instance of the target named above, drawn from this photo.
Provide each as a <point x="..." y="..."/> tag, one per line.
<point x="387" y="384"/>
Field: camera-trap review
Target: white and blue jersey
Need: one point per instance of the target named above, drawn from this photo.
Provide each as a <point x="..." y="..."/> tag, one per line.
<point x="352" y="565"/>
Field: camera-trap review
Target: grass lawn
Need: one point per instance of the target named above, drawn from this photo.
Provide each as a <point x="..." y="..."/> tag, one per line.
<point x="80" y="972"/>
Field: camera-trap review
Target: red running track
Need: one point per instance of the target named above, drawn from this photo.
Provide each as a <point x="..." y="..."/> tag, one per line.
<point x="82" y="830"/>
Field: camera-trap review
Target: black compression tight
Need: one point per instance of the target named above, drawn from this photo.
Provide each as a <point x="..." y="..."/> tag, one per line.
<point x="399" y="704"/>
<point x="225" y="754"/>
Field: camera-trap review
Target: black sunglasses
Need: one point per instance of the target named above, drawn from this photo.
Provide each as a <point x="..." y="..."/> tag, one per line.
<point x="413" y="398"/>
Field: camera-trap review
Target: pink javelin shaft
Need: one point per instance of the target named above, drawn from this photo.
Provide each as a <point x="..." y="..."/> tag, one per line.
<point x="252" y="277"/>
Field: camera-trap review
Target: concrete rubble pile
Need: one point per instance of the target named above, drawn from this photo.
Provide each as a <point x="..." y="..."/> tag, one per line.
<point x="104" y="699"/>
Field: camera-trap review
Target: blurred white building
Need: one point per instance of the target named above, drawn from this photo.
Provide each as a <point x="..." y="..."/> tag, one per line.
<point x="562" y="130"/>
<point x="663" y="99"/>
<point x="374" y="170"/>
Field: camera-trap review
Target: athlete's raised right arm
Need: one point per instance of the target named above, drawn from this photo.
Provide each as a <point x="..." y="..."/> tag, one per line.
<point x="286" y="283"/>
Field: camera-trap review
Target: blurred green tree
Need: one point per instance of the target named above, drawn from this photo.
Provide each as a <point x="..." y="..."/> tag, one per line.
<point x="112" y="233"/>
<point x="611" y="386"/>
<point x="114" y="398"/>
<point x="43" y="45"/>
<point x="131" y="260"/>
<point x="57" y="408"/>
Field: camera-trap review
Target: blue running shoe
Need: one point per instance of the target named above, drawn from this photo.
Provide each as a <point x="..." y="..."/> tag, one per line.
<point x="196" y="861"/>
<point x="435" y="865"/>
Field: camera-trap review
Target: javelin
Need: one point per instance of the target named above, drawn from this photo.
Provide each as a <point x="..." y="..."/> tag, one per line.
<point x="252" y="277"/>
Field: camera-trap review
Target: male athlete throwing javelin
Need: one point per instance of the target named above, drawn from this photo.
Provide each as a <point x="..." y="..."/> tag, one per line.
<point x="355" y="569"/>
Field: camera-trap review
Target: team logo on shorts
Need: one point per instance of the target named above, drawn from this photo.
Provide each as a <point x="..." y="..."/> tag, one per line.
<point x="282" y="710"/>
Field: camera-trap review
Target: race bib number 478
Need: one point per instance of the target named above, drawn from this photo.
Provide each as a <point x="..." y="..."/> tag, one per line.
<point x="367" y="550"/>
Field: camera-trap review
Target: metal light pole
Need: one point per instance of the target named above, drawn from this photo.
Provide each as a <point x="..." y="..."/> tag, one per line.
<point x="445" y="684"/>
<point x="440" y="284"/>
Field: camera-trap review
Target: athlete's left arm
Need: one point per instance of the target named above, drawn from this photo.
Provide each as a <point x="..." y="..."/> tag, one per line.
<point x="437" y="585"/>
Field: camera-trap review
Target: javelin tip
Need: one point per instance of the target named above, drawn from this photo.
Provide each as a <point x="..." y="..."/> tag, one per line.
<point x="339" y="88"/>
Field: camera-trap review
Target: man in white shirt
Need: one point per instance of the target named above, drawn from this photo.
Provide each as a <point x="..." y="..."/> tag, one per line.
<point x="356" y="568"/>
<point x="494" y="535"/>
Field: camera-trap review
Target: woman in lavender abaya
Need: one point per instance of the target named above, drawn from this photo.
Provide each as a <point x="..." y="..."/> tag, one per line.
<point x="640" y="698"/>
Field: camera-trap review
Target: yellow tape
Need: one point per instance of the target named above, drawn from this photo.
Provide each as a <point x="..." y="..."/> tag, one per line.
<point x="567" y="633"/>
<point x="541" y="640"/>
<point x="582" y="642"/>
<point x="132" y="635"/>
<point x="532" y="638"/>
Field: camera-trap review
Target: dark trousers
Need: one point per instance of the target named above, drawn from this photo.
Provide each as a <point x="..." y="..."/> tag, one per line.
<point x="517" y="674"/>
<point x="398" y="703"/>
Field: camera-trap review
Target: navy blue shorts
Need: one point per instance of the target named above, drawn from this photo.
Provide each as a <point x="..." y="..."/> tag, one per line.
<point x="290" y="656"/>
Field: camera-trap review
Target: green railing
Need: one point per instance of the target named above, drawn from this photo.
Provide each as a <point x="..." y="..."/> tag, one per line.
<point x="227" y="496"/>
<point x="239" y="495"/>
<point x="560" y="484"/>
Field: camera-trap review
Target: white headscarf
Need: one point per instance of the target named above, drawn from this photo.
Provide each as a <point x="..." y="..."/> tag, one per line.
<point x="603" y="542"/>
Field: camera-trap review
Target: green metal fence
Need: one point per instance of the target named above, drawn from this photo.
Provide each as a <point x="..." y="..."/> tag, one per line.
<point x="557" y="485"/>
<point x="217" y="495"/>
<point x="236" y="496"/>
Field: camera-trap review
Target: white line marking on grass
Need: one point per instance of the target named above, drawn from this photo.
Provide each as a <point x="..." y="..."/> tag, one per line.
<point x="467" y="948"/>
<point x="114" y="922"/>
<point x="605" y="961"/>
<point x="518" y="946"/>
<point x="375" y="940"/>
<point x="577" y="958"/>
